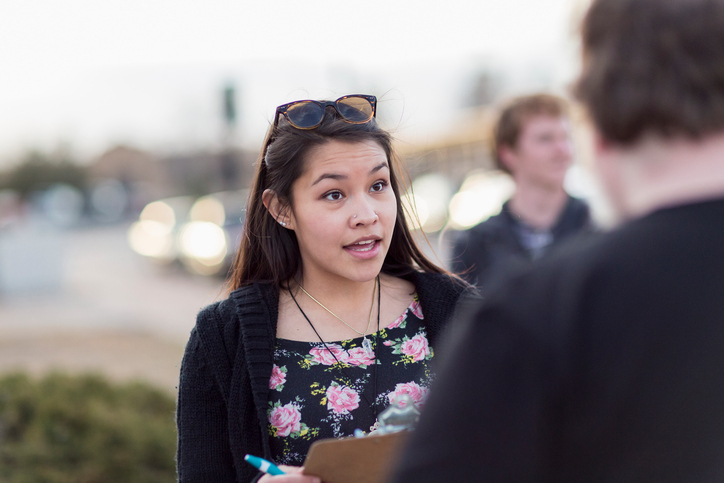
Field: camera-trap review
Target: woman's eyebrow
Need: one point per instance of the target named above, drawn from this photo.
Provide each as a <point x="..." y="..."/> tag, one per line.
<point x="336" y="176"/>
<point x="379" y="167"/>
<point x="339" y="177"/>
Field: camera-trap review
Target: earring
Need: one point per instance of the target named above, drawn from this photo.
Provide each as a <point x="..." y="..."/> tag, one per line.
<point x="282" y="223"/>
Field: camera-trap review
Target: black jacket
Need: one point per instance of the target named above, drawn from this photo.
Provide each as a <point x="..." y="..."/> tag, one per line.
<point x="486" y="251"/>
<point x="601" y="364"/>
<point x="224" y="383"/>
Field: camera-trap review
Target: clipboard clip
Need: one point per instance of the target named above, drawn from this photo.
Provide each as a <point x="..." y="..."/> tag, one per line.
<point x="401" y="415"/>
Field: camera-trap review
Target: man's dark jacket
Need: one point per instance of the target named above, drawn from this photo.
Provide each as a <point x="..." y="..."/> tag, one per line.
<point x="486" y="251"/>
<point x="601" y="364"/>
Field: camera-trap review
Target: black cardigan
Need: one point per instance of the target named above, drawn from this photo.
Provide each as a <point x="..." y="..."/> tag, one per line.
<point x="224" y="383"/>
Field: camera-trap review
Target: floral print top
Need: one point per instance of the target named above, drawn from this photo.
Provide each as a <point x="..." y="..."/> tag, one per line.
<point x="318" y="392"/>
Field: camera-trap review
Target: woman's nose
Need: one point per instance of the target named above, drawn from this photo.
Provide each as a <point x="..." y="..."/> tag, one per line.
<point x="363" y="214"/>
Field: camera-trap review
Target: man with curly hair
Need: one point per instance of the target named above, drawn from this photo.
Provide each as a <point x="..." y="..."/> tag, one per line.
<point x="606" y="363"/>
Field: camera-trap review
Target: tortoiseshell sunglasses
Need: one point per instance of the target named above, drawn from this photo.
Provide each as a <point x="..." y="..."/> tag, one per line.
<point x="307" y="114"/>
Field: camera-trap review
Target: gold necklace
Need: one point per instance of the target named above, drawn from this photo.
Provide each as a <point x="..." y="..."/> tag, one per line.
<point x="369" y="321"/>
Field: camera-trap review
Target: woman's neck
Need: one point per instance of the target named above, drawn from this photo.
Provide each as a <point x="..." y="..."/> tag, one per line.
<point x="353" y="307"/>
<point x="338" y="293"/>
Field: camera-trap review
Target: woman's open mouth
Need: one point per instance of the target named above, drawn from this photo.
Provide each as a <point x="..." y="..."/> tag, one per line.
<point x="364" y="249"/>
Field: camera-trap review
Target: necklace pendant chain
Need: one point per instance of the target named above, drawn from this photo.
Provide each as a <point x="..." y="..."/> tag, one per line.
<point x="369" y="321"/>
<point x="367" y="346"/>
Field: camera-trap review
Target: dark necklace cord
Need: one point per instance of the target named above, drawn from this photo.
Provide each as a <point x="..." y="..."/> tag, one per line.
<point x="377" y="334"/>
<point x="374" y="375"/>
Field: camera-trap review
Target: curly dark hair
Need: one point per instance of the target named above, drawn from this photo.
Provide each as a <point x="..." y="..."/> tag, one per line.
<point x="653" y="66"/>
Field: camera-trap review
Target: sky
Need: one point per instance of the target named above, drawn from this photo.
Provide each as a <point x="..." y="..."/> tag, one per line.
<point x="91" y="74"/>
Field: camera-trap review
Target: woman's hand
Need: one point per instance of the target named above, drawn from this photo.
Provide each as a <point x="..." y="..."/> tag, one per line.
<point x="293" y="475"/>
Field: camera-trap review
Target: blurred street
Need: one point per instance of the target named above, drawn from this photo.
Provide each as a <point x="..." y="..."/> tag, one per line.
<point x="114" y="312"/>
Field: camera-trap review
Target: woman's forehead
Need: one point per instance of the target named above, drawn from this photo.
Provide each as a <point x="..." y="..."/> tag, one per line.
<point x="344" y="157"/>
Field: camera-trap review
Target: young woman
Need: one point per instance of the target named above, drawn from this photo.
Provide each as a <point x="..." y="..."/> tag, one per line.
<point x="333" y="310"/>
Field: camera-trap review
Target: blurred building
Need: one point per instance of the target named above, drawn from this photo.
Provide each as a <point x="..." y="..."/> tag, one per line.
<point x="208" y="172"/>
<point x="462" y="148"/>
<point x="148" y="177"/>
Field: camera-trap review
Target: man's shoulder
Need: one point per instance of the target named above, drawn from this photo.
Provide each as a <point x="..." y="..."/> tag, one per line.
<point x="576" y="216"/>
<point x="568" y="274"/>
<point x="583" y="254"/>
<point x="483" y="231"/>
<point x="579" y="205"/>
<point x="491" y="225"/>
<point x="632" y="276"/>
<point x="563" y="273"/>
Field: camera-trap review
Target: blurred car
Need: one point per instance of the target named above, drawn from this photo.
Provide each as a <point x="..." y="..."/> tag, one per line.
<point x="154" y="234"/>
<point x="201" y="234"/>
<point x="209" y="240"/>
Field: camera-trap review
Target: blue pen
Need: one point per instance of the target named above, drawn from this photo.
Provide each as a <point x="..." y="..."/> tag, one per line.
<point x="263" y="465"/>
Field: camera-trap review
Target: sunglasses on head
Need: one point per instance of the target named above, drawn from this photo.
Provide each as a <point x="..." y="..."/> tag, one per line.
<point x="306" y="114"/>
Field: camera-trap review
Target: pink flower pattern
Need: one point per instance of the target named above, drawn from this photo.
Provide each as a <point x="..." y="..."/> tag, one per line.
<point x="417" y="348"/>
<point x="329" y="387"/>
<point x="397" y="323"/>
<point x="286" y="419"/>
<point x="358" y="357"/>
<point x="326" y="357"/>
<point x="417" y="393"/>
<point x="416" y="309"/>
<point x="342" y="399"/>
<point x="278" y="377"/>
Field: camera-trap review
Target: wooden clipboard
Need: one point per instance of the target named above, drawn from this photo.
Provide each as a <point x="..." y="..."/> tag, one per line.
<point x="355" y="460"/>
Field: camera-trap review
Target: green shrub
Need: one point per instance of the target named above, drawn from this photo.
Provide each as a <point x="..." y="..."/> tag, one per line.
<point x="84" y="429"/>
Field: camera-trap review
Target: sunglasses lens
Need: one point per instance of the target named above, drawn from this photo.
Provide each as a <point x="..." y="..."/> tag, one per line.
<point x="355" y="109"/>
<point x="305" y="115"/>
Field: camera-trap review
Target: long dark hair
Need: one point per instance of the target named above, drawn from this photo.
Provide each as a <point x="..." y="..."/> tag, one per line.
<point x="269" y="252"/>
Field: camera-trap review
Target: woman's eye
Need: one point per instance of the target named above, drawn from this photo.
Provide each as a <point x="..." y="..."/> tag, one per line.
<point x="378" y="186"/>
<point x="333" y="196"/>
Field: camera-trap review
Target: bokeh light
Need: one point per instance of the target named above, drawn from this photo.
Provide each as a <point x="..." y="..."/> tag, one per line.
<point x="209" y="209"/>
<point x="481" y="196"/>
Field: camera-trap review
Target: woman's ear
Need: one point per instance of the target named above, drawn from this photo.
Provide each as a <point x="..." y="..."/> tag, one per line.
<point x="275" y="207"/>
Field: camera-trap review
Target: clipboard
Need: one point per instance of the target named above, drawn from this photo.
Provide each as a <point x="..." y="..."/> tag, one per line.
<point x="370" y="459"/>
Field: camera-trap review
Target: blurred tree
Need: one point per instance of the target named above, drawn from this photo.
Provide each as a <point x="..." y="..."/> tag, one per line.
<point x="83" y="429"/>
<point x="37" y="171"/>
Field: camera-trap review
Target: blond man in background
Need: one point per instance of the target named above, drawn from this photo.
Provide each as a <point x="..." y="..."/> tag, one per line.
<point x="532" y="143"/>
